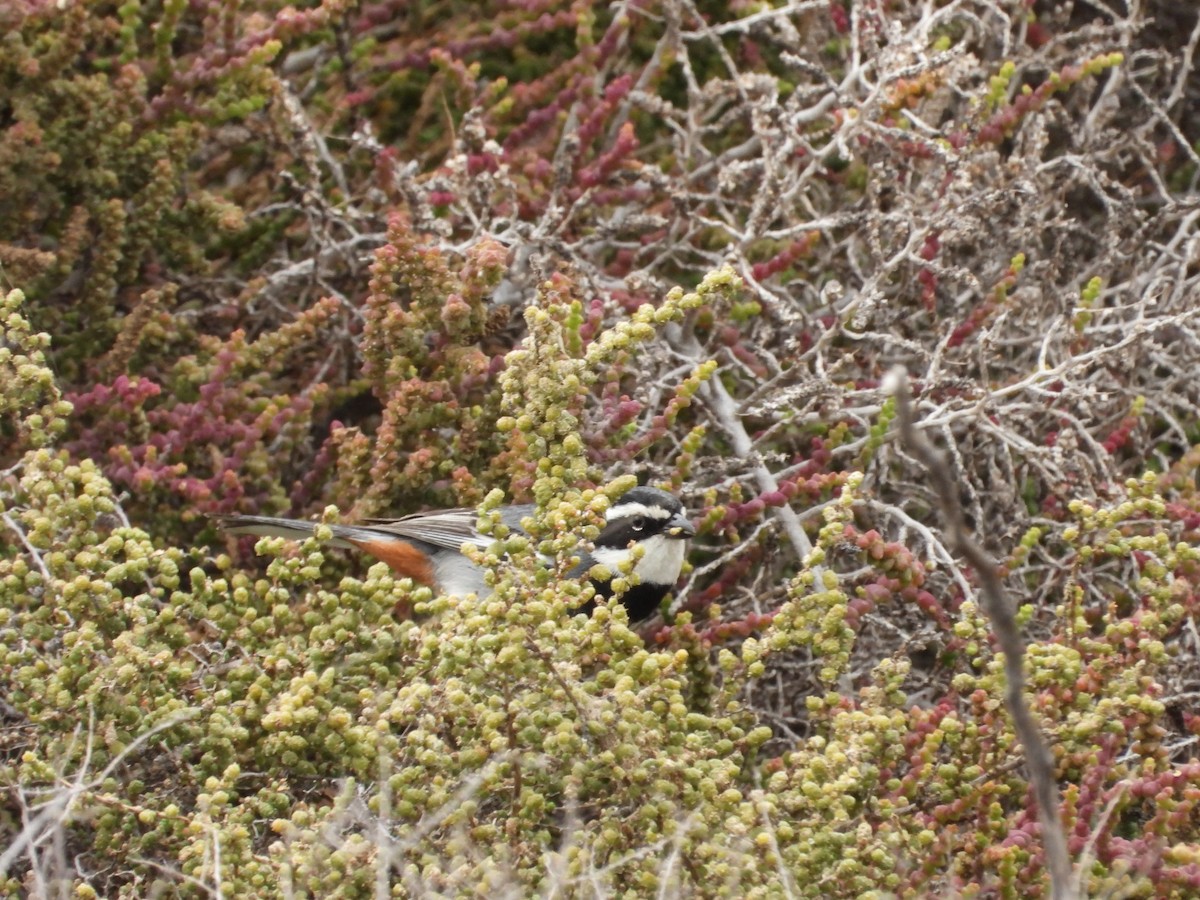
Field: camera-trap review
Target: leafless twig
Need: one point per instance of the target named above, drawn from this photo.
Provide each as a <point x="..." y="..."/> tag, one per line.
<point x="999" y="609"/>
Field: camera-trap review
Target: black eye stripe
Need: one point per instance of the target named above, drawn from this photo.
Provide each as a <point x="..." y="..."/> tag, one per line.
<point x="621" y="532"/>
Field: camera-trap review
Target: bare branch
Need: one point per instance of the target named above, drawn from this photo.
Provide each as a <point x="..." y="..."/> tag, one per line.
<point x="999" y="609"/>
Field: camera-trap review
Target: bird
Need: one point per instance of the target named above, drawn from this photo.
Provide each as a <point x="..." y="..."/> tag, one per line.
<point x="427" y="546"/>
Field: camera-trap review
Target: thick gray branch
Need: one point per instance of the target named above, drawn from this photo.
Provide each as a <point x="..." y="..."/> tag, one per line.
<point x="999" y="609"/>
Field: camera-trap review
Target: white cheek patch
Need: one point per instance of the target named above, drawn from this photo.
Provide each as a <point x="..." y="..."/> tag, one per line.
<point x="662" y="561"/>
<point x="612" y="557"/>
<point x="660" y="564"/>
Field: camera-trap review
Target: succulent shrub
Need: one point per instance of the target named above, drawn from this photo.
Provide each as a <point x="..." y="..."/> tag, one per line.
<point x="356" y="260"/>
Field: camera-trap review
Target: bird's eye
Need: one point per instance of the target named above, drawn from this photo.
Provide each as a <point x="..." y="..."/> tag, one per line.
<point x="638" y="523"/>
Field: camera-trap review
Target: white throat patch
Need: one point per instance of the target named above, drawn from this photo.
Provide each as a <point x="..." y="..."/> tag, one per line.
<point x="660" y="563"/>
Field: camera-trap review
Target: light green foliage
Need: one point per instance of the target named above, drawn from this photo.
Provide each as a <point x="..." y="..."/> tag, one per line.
<point x="189" y="193"/>
<point x="546" y="384"/>
<point x="32" y="411"/>
<point x="292" y="735"/>
<point x="815" y="614"/>
<point x="497" y="740"/>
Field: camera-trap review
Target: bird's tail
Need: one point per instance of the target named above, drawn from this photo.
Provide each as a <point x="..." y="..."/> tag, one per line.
<point x="296" y="529"/>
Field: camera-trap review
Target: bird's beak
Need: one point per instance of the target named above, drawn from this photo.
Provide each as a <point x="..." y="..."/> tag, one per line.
<point x="680" y="527"/>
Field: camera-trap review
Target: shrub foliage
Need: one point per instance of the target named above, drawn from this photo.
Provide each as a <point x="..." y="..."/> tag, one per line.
<point x="356" y="260"/>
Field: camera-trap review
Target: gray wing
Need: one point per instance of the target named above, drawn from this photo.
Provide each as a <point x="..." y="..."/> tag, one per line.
<point x="293" y="529"/>
<point x="449" y="528"/>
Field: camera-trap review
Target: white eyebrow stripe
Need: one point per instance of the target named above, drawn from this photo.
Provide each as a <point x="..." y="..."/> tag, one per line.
<point x="627" y="510"/>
